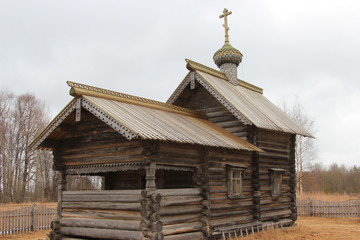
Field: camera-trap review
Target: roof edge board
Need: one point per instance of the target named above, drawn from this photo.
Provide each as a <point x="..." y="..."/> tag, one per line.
<point x="179" y="89"/>
<point x="193" y="66"/>
<point x="78" y="90"/>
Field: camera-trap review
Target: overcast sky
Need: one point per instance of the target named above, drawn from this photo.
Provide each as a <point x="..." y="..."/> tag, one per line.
<point x="308" y="49"/>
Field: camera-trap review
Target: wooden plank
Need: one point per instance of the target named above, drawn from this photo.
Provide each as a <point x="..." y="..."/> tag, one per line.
<point x="101" y="223"/>
<point x="170" y="201"/>
<point x="183" y="218"/>
<point x="182" y="228"/>
<point x="179" y="192"/>
<point x="103" y="192"/>
<point x="103" y="205"/>
<point x="186" y="236"/>
<point x="176" y="210"/>
<point x="102" y="198"/>
<point x="107" y="214"/>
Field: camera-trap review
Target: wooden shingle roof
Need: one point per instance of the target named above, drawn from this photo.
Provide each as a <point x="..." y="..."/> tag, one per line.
<point x="140" y="118"/>
<point x="245" y="101"/>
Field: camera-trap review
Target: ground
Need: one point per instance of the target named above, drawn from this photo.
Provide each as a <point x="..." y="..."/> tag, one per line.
<point x="307" y="228"/>
<point x="314" y="228"/>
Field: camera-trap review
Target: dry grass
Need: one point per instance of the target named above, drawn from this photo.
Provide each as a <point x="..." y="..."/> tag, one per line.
<point x="30" y="236"/>
<point x="335" y="197"/>
<point x="13" y="206"/>
<point x="311" y="228"/>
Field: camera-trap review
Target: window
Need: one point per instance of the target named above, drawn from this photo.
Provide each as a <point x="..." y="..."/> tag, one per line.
<point x="276" y="177"/>
<point x="235" y="180"/>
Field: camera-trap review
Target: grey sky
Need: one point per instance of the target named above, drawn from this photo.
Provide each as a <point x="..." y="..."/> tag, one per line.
<point x="309" y="49"/>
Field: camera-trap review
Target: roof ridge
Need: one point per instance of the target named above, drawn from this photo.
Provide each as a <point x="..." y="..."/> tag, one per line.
<point x="79" y="89"/>
<point x="192" y="65"/>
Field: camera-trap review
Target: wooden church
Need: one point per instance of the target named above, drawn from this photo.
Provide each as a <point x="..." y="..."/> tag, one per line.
<point x="216" y="160"/>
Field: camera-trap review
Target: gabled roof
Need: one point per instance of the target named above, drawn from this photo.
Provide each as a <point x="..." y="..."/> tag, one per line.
<point x="140" y="118"/>
<point x="245" y="101"/>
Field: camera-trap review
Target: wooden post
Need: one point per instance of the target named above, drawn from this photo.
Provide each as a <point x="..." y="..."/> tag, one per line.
<point x="293" y="207"/>
<point x="255" y="175"/>
<point x="33" y="217"/>
<point x="203" y="183"/>
<point x="150" y="170"/>
<point x="151" y="153"/>
<point x="61" y="188"/>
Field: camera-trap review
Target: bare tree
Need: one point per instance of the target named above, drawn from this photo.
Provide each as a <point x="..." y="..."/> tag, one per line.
<point x="305" y="149"/>
<point x="21" y="119"/>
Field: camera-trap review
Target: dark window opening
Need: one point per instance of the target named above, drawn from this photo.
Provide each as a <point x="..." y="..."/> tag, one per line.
<point x="125" y="180"/>
<point x="167" y="179"/>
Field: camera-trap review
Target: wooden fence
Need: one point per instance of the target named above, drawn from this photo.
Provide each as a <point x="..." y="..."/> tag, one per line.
<point x="26" y="219"/>
<point x="318" y="208"/>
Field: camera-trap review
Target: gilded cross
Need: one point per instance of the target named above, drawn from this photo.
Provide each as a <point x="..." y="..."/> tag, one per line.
<point x="225" y="25"/>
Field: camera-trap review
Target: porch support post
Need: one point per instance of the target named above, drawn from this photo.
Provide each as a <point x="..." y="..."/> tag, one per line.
<point x="150" y="170"/>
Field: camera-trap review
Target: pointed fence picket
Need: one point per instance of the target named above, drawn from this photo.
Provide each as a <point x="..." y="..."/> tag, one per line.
<point x="26" y="219"/>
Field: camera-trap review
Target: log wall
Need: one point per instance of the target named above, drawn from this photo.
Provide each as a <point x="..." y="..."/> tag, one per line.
<point x="226" y="211"/>
<point x="278" y="154"/>
<point x="180" y="213"/>
<point x="113" y="214"/>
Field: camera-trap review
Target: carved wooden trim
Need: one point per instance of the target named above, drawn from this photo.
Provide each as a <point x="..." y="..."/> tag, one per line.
<point x="179" y="89"/>
<point x="109" y="120"/>
<point x="78" y="90"/>
<point x="193" y="66"/>
<point x="78" y="110"/>
<point x="102" y="168"/>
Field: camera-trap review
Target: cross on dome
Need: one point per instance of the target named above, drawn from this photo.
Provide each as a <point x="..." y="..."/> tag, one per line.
<point x="225" y="25"/>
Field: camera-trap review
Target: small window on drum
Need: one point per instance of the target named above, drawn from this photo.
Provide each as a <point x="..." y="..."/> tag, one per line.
<point x="235" y="176"/>
<point x="276" y="178"/>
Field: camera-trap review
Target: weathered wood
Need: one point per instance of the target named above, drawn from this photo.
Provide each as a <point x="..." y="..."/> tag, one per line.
<point x="175" y="210"/>
<point x="179" y="192"/>
<point x="186" y="236"/>
<point x="102" y="233"/>
<point x="171" y="219"/>
<point x="101" y="223"/>
<point x="102" y="198"/>
<point x="102" y="205"/>
<point x="61" y="189"/>
<point x="182" y="228"/>
<point x="104" y="192"/>
<point x="169" y="201"/>
<point x="107" y="214"/>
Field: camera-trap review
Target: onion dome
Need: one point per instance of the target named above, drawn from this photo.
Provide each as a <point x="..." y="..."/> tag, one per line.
<point x="227" y="54"/>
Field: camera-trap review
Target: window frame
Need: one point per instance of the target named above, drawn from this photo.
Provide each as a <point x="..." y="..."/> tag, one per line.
<point x="230" y="170"/>
<point x="276" y="180"/>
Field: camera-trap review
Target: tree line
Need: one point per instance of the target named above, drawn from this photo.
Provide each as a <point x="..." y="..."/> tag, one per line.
<point x="333" y="179"/>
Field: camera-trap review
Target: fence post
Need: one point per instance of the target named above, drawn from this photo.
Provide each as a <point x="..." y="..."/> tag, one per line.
<point x="33" y="217"/>
<point x="311" y="213"/>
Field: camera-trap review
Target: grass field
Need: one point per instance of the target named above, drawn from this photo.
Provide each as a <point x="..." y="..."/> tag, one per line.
<point x="335" y="197"/>
<point x="307" y="228"/>
<point x="311" y="228"/>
